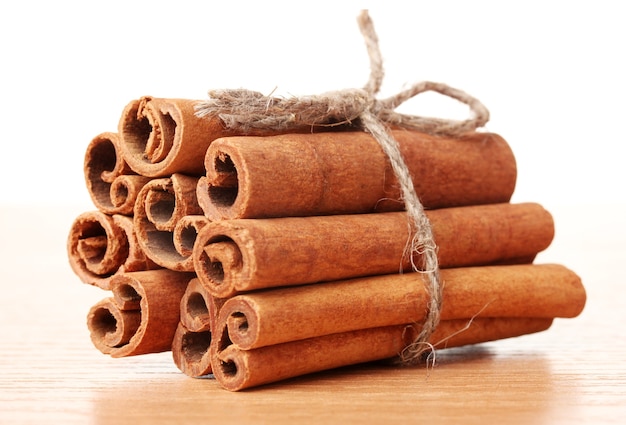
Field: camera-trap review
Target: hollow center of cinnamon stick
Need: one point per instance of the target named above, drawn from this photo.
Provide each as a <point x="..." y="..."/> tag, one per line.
<point x="219" y="262"/>
<point x="239" y="321"/>
<point x="136" y="131"/>
<point x="224" y="187"/>
<point x="218" y="254"/>
<point x="92" y="248"/>
<point x="228" y="368"/>
<point x="148" y="133"/>
<point x="103" y="323"/>
<point x="119" y="193"/>
<point x="195" y="345"/>
<point x="196" y="305"/>
<point x="215" y="271"/>
<point x="188" y="236"/>
<point x="160" y="206"/>
<point x="161" y="139"/>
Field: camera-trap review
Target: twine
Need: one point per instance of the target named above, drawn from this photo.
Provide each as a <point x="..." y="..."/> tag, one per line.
<point x="246" y="110"/>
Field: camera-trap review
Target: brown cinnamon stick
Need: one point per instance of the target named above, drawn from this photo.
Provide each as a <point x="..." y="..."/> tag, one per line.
<point x="110" y="326"/>
<point x="347" y="172"/>
<point x="236" y="369"/>
<point x="100" y="245"/>
<point x="142" y="315"/>
<point x="234" y="256"/>
<point x="160" y="207"/>
<point x="281" y="315"/>
<point x="160" y="137"/>
<point x="112" y="185"/>
<point x="191" y="351"/>
<point x="191" y="346"/>
<point x="186" y="232"/>
<point x="198" y="308"/>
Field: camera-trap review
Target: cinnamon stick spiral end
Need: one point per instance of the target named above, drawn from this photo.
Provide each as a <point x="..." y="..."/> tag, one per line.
<point x="217" y="261"/>
<point x="231" y="370"/>
<point x="97" y="247"/>
<point x="142" y="315"/>
<point x="110" y="326"/>
<point x="160" y="137"/>
<point x="192" y="351"/>
<point x="112" y="185"/>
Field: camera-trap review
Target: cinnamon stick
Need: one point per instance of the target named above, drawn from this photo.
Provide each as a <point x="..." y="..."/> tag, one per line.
<point x="186" y="232"/>
<point x="160" y="137"/>
<point x="236" y="369"/>
<point x="281" y="315"/>
<point x="112" y="185"/>
<point x="347" y="172"/>
<point x="192" y="342"/>
<point x="160" y="206"/>
<point x="143" y="314"/>
<point x="110" y="326"/>
<point x="234" y="256"/>
<point x="191" y="351"/>
<point x="100" y="245"/>
<point x="198" y="308"/>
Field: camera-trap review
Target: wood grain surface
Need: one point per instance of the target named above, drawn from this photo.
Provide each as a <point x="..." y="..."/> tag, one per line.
<point x="50" y="372"/>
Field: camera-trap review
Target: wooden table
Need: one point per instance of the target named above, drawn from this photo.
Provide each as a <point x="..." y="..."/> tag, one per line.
<point x="50" y="372"/>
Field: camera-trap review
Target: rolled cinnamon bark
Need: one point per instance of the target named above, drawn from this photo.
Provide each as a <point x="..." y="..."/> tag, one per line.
<point x="234" y="256"/>
<point x="191" y="348"/>
<point x="110" y="326"/>
<point x="236" y="369"/>
<point x="160" y="137"/>
<point x="143" y="314"/>
<point x="198" y="308"/>
<point x="100" y="245"/>
<point x="112" y="185"/>
<point x="347" y="172"/>
<point x="288" y="314"/>
<point x="192" y="352"/>
<point x="186" y="232"/>
<point x="160" y="206"/>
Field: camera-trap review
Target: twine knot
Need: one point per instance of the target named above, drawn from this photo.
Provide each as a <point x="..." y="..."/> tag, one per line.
<point x="247" y="110"/>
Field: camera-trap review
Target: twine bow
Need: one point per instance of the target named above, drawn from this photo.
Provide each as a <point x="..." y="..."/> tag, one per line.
<point x="245" y="110"/>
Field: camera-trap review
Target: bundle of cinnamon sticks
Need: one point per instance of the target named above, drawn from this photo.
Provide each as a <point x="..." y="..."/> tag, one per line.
<point x="262" y="256"/>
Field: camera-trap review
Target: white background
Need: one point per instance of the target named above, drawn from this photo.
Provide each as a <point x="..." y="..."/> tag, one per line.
<point x="551" y="73"/>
